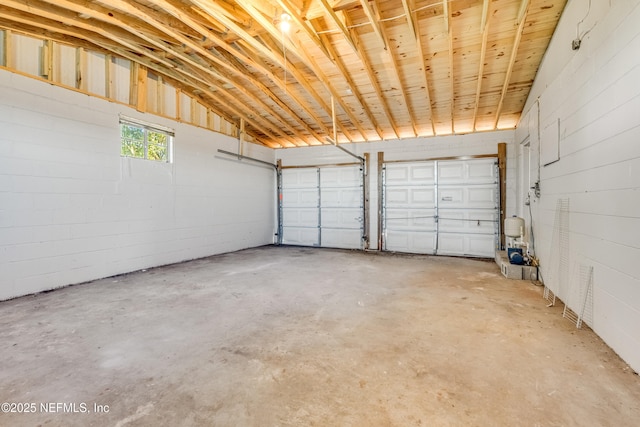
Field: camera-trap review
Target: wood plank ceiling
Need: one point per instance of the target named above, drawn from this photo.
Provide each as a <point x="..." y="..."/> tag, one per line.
<point x="347" y="70"/>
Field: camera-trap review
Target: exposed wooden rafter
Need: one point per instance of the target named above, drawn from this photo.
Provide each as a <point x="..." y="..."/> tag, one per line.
<point x="452" y="94"/>
<point x="425" y="78"/>
<point x="336" y="19"/>
<point x="398" y="75"/>
<point x="374" y="20"/>
<point x="430" y="67"/>
<point x="406" y="5"/>
<point x="512" y="61"/>
<point x="352" y="87"/>
<point x="371" y="74"/>
<point x="484" y="25"/>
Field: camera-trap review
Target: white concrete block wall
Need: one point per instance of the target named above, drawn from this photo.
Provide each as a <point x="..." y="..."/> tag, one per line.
<point x="595" y="94"/>
<point x="408" y="149"/>
<point x="73" y="210"/>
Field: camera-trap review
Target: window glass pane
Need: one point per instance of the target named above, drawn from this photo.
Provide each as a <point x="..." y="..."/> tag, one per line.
<point x="132" y="139"/>
<point x="145" y="143"/>
<point x="132" y="132"/>
<point x="157" y="152"/>
<point x="157" y="138"/>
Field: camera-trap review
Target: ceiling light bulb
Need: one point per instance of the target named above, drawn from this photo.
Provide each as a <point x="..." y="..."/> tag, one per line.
<point x="285" y="22"/>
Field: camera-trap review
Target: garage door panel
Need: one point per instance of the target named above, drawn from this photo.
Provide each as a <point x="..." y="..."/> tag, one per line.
<point x="341" y="238"/>
<point x="417" y="220"/>
<point x="300" y="198"/>
<point x="451" y="172"/>
<point x="468" y="172"/>
<point x="341" y="218"/>
<point x="411" y="241"/>
<point x="479" y="196"/>
<point x="408" y="197"/>
<point x="465" y="244"/>
<point x="396" y="174"/>
<point x="481" y="171"/>
<point x="349" y="176"/>
<point x="300" y="236"/>
<point x="300" y="178"/>
<point x="467" y="221"/>
<point x="337" y="197"/>
<point x="300" y="217"/>
<point x="400" y="174"/>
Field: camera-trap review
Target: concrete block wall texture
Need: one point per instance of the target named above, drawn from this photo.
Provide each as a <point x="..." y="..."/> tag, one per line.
<point x="409" y="149"/>
<point x="595" y="95"/>
<point x="72" y="209"/>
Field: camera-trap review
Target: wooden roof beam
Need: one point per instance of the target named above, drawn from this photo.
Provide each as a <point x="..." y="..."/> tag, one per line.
<point x="238" y="68"/>
<point x="284" y="106"/>
<point x="425" y="78"/>
<point x="215" y="11"/>
<point x="270" y="28"/>
<point x="484" y="22"/>
<point x="354" y="88"/>
<point x="275" y="34"/>
<point x="409" y="15"/>
<point x="447" y="20"/>
<point x="373" y="18"/>
<point x="398" y="76"/>
<point x="336" y="19"/>
<point x="294" y="95"/>
<point x="318" y="72"/>
<point x="512" y="61"/>
<point x="208" y="69"/>
<point x="445" y="14"/>
<point x="305" y="26"/>
<point x="58" y="27"/>
<point x="522" y="11"/>
<point x="49" y="12"/>
<point x="376" y="85"/>
<point x="13" y="23"/>
<point x="96" y="14"/>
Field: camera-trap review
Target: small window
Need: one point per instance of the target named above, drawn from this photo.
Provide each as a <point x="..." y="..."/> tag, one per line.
<point x="145" y="141"/>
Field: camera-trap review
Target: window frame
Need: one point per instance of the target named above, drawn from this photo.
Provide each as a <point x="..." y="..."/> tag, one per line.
<point x="146" y="129"/>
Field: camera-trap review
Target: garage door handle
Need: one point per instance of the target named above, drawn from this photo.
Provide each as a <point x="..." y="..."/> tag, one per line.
<point x="447" y="199"/>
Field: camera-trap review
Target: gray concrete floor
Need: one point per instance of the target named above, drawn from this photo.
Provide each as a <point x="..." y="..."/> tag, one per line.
<point x="283" y="336"/>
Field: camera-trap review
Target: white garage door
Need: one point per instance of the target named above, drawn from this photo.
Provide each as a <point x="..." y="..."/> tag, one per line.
<point x="409" y="212"/>
<point x="441" y="207"/>
<point x="323" y="206"/>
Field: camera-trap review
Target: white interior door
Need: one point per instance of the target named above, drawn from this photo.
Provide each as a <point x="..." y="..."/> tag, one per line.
<point x="323" y="206"/>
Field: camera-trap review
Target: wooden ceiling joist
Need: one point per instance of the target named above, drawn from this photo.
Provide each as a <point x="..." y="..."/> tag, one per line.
<point x="512" y="60"/>
<point x="432" y="66"/>
<point x="484" y="25"/>
<point x="452" y="93"/>
<point x="353" y="87"/>
<point x="398" y="75"/>
<point x="371" y="74"/>
<point x="406" y="5"/>
<point x="374" y="20"/>
<point x="341" y="26"/>
<point x="425" y="78"/>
